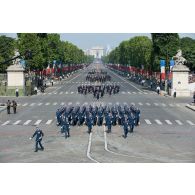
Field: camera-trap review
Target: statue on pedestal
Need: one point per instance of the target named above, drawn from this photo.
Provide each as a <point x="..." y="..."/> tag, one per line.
<point x="17" y="60"/>
<point x="179" y="60"/>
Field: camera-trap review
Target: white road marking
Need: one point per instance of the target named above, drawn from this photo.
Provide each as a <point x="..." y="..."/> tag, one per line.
<point x="163" y="104"/>
<point x="25" y="104"/>
<point x="37" y="122"/>
<point x="55" y="93"/>
<point x="32" y="104"/>
<point x="147" y="121"/>
<point x="72" y="92"/>
<point x="49" y="93"/>
<point x="48" y="103"/>
<point x="156" y="104"/>
<point x="190" y="122"/>
<point x="27" y="122"/>
<point x="66" y="92"/>
<point x="48" y="122"/>
<point x="178" y="122"/>
<point x="158" y="122"/>
<point x="5" y="123"/>
<point x="17" y="122"/>
<point x="62" y="103"/>
<point x="145" y="93"/>
<point x="89" y="148"/>
<point x="69" y="103"/>
<point x="148" y="104"/>
<point x="39" y="104"/>
<point x="129" y="92"/>
<point x="171" y="105"/>
<point x="132" y="103"/>
<point x="178" y="105"/>
<point x="168" y="122"/>
<point x="127" y="82"/>
<point x="55" y="103"/>
<point x="140" y="104"/>
<point x="140" y="92"/>
<point x="119" y="154"/>
<point x="61" y="92"/>
<point x="134" y="92"/>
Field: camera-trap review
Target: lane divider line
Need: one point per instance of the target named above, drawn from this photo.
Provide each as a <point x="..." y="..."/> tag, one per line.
<point x="89" y="149"/>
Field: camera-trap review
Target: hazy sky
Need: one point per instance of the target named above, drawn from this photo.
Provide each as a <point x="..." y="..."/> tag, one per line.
<point x="88" y="40"/>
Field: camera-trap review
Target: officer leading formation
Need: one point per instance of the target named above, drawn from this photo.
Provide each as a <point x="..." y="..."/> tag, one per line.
<point x="126" y="116"/>
<point x="38" y="134"/>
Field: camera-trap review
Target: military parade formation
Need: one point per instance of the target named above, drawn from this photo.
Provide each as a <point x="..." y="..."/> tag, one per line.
<point x="98" y="76"/>
<point x="99" y="91"/>
<point x="100" y="87"/>
<point x="125" y="116"/>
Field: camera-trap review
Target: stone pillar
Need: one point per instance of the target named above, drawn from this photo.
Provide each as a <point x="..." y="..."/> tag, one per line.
<point x="180" y="80"/>
<point x="15" y="79"/>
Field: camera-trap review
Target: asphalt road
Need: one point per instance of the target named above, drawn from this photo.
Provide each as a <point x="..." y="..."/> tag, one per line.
<point x="166" y="133"/>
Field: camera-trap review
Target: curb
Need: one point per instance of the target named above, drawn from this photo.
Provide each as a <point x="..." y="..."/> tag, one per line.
<point x="190" y="107"/>
<point x="2" y="108"/>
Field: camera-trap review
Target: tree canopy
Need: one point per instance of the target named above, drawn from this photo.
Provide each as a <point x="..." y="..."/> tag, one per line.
<point x="142" y="50"/>
<point x="7" y="45"/>
<point x="40" y="50"/>
<point x="188" y="50"/>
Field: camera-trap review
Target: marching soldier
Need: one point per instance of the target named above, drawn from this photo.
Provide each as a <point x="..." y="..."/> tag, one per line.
<point x="108" y="123"/>
<point x="125" y="128"/>
<point x="100" y="117"/>
<point x="39" y="136"/>
<point x="58" y="116"/>
<point x="137" y="117"/>
<point x="65" y="128"/>
<point x="131" y="122"/>
<point x="89" y="122"/>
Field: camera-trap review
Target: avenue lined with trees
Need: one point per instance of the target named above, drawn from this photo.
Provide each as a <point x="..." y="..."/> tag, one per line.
<point x="141" y="50"/>
<point x="40" y="50"/>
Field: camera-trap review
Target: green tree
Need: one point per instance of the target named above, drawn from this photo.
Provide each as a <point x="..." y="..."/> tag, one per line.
<point x="29" y="43"/>
<point x="136" y="52"/>
<point x="165" y="46"/>
<point x="188" y="50"/>
<point x="140" y="48"/>
<point x="7" y="46"/>
<point x="54" y="47"/>
<point x="114" y="56"/>
<point x="124" y="51"/>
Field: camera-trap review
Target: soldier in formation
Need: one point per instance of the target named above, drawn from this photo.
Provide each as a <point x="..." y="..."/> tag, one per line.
<point x="126" y="116"/>
<point x="98" y="76"/>
<point x="98" y="91"/>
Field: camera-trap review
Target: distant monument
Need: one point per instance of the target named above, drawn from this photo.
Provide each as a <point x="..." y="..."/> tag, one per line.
<point x="180" y="76"/>
<point x="15" y="76"/>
